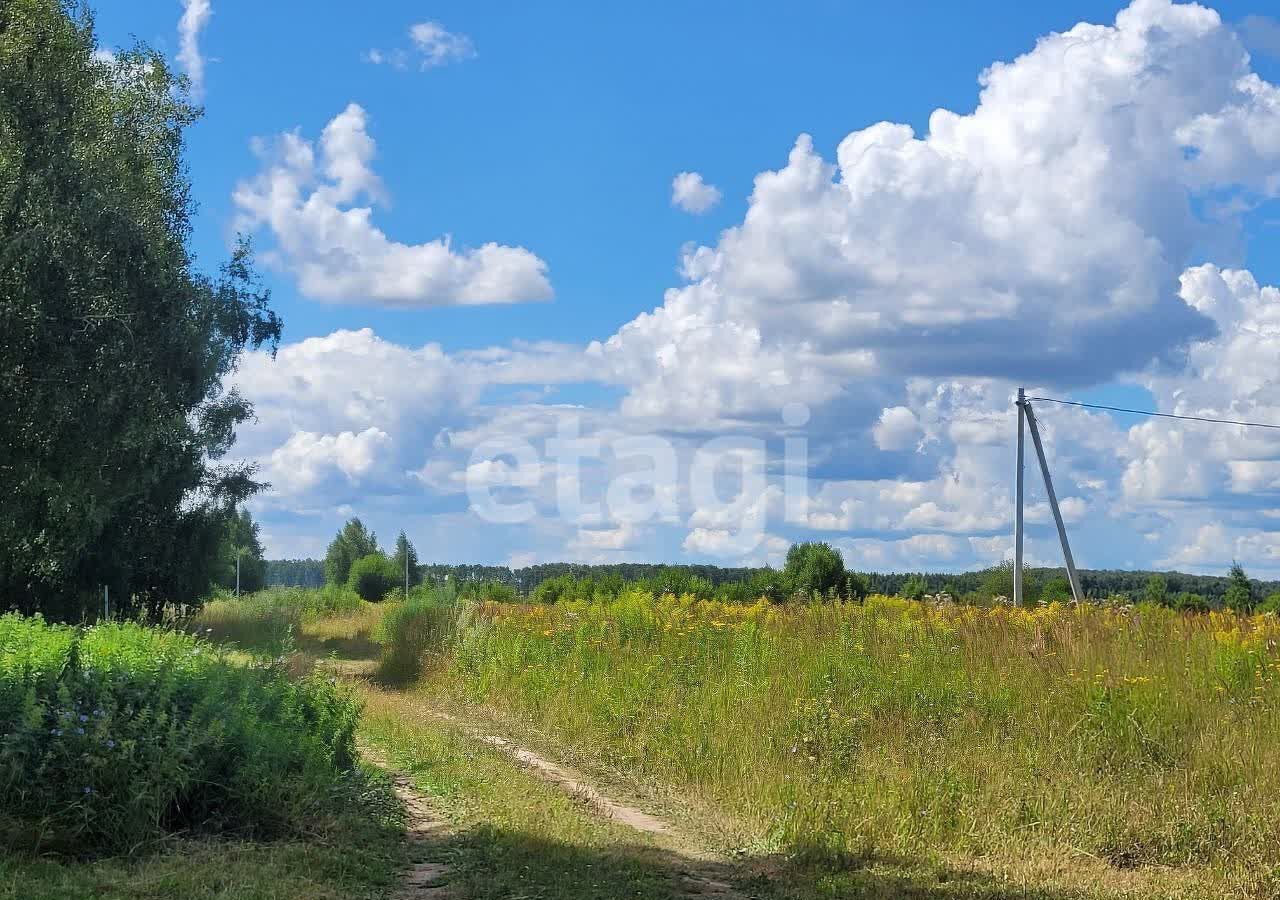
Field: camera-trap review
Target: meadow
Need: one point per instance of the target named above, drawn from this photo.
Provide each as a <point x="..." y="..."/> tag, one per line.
<point x="824" y="749"/>
<point x="1135" y="738"/>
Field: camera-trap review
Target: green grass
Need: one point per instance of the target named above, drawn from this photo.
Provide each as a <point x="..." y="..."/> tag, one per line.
<point x="512" y="834"/>
<point x="271" y="620"/>
<point x="352" y="854"/>
<point x="1069" y="748"/>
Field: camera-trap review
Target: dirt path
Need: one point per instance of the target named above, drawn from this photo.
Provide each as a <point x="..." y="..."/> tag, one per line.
<point x="426" y="879"/>
<point x="701" y="870"/>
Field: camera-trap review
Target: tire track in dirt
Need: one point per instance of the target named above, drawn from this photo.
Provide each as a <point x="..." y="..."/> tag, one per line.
<point x="425" y="830"/>
<point x="700" y="876"/>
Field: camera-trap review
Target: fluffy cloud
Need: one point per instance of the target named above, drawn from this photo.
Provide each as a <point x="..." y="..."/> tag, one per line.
<point x="693" y="195"/>
<point x="1065" y="206"/>
<point x="895" y="292"/>
<point x="431" y="46"/>
<point x="195" y="16"/>
<point x="306" y="197"/>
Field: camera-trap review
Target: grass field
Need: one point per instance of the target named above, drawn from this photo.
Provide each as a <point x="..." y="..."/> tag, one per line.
<point x="1134" y="744"/>
<point x="803" y="751"/>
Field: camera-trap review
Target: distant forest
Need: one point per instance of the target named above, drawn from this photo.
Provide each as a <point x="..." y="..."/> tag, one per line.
<point x="1096" y="583"/>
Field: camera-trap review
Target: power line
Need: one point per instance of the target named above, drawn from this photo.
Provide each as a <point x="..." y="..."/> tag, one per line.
<point x="1160" y="415"/>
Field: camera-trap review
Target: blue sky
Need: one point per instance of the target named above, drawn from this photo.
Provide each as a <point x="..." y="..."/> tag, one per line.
<point x="558" y="128"/>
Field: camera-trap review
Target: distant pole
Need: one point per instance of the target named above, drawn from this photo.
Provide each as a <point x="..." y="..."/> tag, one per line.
<point x="106" y="602"/>
<point x="1053" y="504"/>
<point x="1017" y="509"/>
<point x="237" y="573"/>
<point x="406" y="572"/>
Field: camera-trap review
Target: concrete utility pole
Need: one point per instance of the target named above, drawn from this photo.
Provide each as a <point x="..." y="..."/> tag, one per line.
<point x="106" y="602"/>
<point x="1025" y="412"/>
<point x="1017" y="510"/>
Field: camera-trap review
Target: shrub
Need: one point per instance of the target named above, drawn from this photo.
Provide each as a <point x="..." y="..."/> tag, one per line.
<point x="914" y="588"/>
<point x="814" y="567"/>
<point x="1271" y="604"/>
<point x="112" y="736"/>
<point x="411" y="631"/>
<point x="1056" y="590"/>
<point x="491" y="592"/>
<point x="373" y="576"/>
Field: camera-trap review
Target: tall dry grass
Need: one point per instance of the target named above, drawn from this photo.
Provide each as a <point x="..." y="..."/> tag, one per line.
<point x="1138" y="736"/>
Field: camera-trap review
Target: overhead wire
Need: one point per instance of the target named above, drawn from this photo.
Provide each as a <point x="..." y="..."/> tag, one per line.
<point x="1159" y="415"/>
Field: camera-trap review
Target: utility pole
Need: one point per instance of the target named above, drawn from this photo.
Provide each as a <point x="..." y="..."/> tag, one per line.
<point x="106" y="602"/>
<point x="237" y="573"/>
<point x="1030" y="416"/>
<point x="1017" y="510"/>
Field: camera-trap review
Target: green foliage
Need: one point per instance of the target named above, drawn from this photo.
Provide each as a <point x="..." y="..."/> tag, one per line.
<point x="406" y="555"/>
<point x="113" y="347"/>
<point x="241" y="540"/>
<point x="490" y="592"/>
<point x="1271" y="604"/>
<point x="998" y="582"/>
<point x="353" y="542"/>
<point x="1156" y="591"/>
<point x="373" y="577"/>
<point x="814" y="568"/>
<point x="1188" y="602"/>
<point x="269" y="621"/>
<point x="412" y="632"/>
<point x="1056" y="590"/>
<point x="914" y="588"/>
<point x="856" y="587"/>
<point x="113" y="736"/>
<point x="1239" y="594"/>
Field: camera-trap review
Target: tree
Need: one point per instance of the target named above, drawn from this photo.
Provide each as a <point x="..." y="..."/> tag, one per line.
<point x="353" y="542"/>
<point x="406" y="553"/>
<point x="914" y="588"/>
<point x="113" y="347"/>
<point x="814" y="568"/>
<point x="1156" y="591"/>
<point x="998" y="582"/>
<point x="241" y="541"/>
<point x="856" y="587"/>
<point x="1188" y="602"/>
<point x="1056" y="590"/>
<point x="769" y="584"/>
<point x="1271" y="604"/>
<point x="373" y="576"/>
<point x="1239" y="591"/>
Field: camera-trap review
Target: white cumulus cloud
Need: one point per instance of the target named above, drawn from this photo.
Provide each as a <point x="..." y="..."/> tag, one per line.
<point x="307" y="197"/>
<point x="690" y="193"/>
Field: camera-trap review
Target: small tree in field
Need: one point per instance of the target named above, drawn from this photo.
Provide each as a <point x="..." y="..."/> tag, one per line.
<point x="372" y="577"/>
<point x="1156" y="591"/>
<point x="1056" y="590"/>
<point x="1239" y="591"/>
<point x="914" y="588"/>
<point x="814" y="567"/>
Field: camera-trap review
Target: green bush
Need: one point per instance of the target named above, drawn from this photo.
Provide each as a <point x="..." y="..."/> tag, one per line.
<point x="373" y="576"/>
<point x="113" y="736"/>
<point x="411" y="631"/>
<point x="269" y="620"/>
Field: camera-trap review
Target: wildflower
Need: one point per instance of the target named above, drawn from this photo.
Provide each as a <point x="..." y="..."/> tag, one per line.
<point x="111" y="745"/>
<point x="56" y="732"/>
